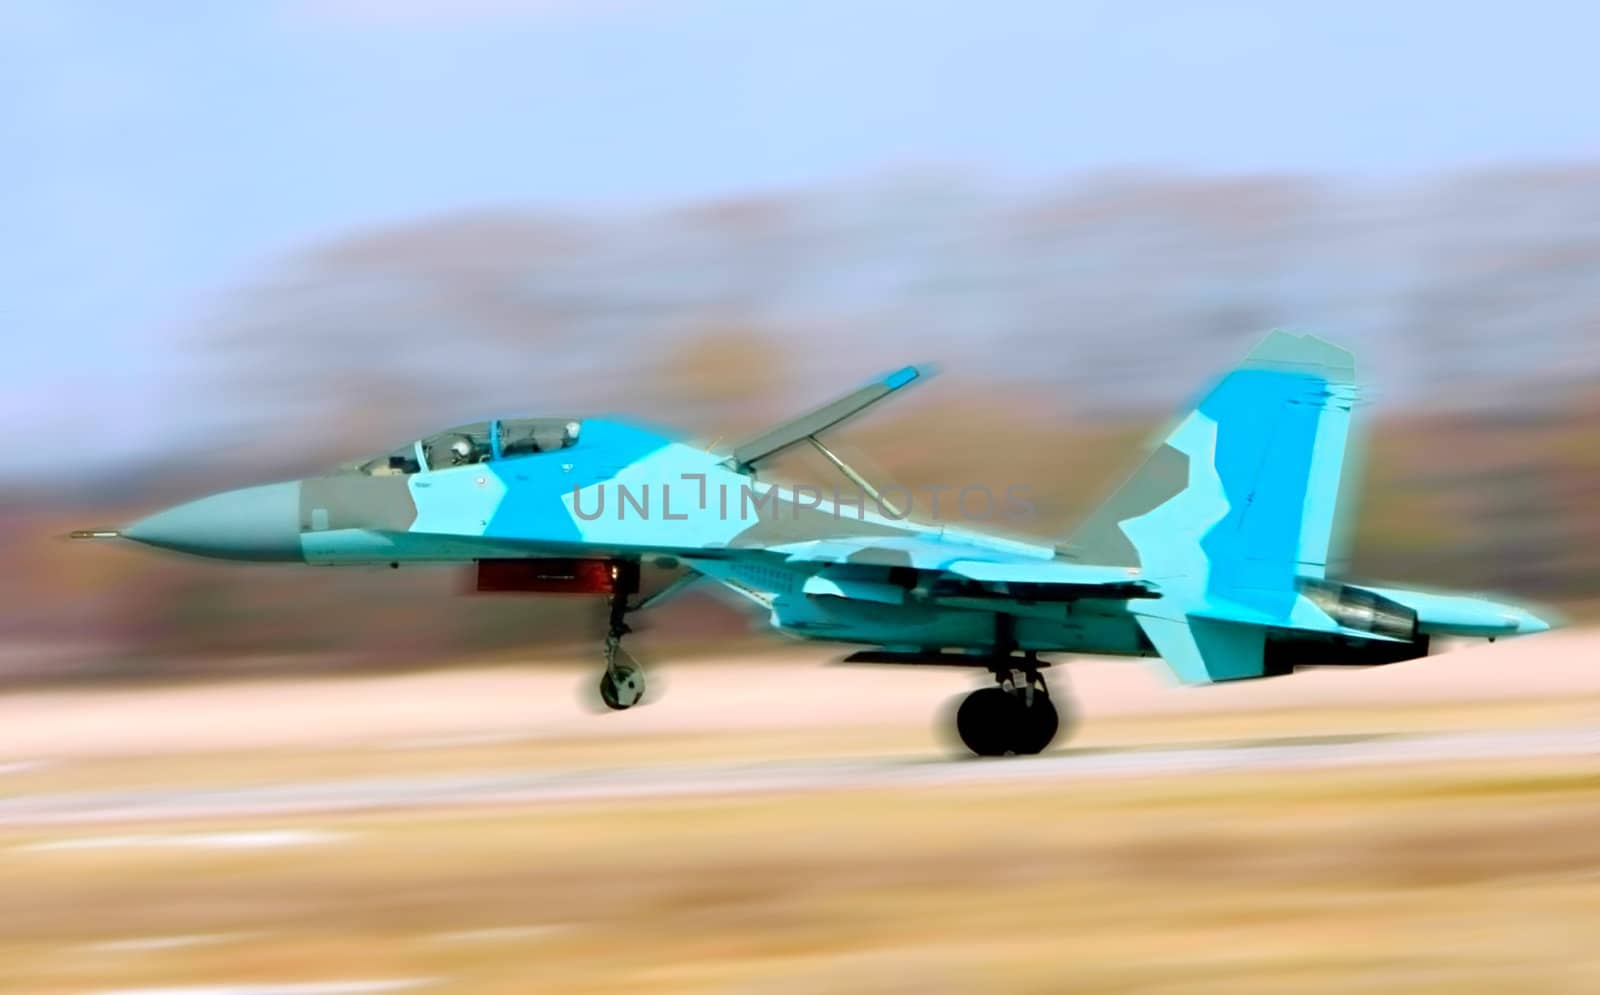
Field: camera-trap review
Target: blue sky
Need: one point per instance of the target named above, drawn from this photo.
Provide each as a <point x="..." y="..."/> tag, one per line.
<point x="154" y="155"/>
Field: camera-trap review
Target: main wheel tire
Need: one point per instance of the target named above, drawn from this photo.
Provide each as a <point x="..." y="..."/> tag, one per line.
<point x="987" y="720"/>
<point x="1037" y="727"/>
<point x="622" y="686"/>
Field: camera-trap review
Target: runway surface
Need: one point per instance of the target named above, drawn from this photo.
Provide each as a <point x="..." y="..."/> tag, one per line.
<point x="666" y="781"/>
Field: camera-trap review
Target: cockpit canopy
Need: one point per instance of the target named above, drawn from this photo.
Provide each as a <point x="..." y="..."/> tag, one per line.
<point x="480" y="442"/>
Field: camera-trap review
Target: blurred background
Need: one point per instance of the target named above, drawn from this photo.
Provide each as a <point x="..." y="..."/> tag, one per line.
<point x="247" y="242"/>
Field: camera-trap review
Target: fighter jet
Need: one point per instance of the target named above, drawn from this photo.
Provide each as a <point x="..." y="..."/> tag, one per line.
<point x="1219" y="555"/>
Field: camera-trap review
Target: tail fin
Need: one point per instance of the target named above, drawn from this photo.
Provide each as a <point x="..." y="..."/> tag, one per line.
<point x="1241" y="495"/>
<point x="1235" y="504"/>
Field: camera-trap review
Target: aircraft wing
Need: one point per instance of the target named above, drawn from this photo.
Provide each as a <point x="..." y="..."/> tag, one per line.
<point x="818" y="420"/>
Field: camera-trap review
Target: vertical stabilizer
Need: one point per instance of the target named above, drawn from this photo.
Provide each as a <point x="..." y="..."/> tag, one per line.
<point x="1235" y="503"/>
<point x="1247" y="482"/>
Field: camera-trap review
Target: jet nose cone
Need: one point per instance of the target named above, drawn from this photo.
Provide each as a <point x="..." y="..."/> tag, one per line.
<point x="255" y="523"/>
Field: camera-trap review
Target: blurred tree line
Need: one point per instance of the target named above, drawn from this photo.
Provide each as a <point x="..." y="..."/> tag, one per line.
<point x="1069" y="320"/>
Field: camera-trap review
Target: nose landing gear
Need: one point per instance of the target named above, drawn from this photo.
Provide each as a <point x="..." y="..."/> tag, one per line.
<point x="622" y="682"/>
<point x="1016" y="717"/>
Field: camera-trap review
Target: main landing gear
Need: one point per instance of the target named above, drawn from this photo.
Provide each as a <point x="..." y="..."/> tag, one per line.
<point x="1016" y="717"/>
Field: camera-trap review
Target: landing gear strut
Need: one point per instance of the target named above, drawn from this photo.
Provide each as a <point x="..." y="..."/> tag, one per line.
<point x="1017" y="716"/>
<point x="622" y="682"/>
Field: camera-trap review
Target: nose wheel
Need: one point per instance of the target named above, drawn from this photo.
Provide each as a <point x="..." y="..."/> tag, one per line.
<point x="1015" y="717"/>
<point x="622" y="682"/>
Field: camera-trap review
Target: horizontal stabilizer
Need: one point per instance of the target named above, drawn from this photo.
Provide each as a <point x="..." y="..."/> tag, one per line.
<point x="775" y="440"/>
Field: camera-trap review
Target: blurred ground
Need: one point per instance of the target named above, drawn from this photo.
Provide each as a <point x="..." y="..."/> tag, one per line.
<point x="1444" y="876"/>
<point x="775" y="692"/>
<point x="1434" y="879"/>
